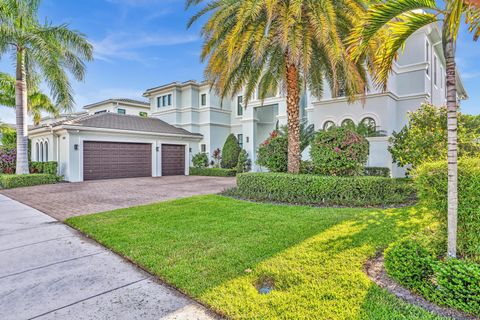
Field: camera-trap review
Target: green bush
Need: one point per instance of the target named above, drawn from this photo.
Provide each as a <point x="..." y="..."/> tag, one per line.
<point x="377" y="172"/>
<point x="454" y="283"/>
<point x="431" y="181"/>
<point x="44" y="167"/>
<point x="230" y="153"/>
<point x="339" y="152"/>
<point x="200" y="160"/>
<point x="325" y="190"/>
<point x="244" y="163"/>
<point x="10" y="181"/>
<point x="213" y="172"/>
<point x="273" y="153"/>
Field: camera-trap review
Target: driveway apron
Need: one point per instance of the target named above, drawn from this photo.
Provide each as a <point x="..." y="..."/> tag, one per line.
<point x="50" y="271"/>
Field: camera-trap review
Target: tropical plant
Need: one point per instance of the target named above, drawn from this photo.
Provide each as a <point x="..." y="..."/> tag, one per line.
<point x="250" y="44"/>
<point x="39" y="49"/>
<point x="231" y="150"/>
<point x="200" y="160"/>
<point x="386" y="26"/>
<point x="38" y="102"/>
<point x="423" y="139"/>
<point x="8" y="137"/>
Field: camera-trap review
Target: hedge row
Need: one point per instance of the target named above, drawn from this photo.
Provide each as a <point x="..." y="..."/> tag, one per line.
<point x="431" y="180"/>
<point x="325" y="190"/>
<point x="10" y="181"/>
<point x="44" y="167"/>
<point x="454" y="283"/>
<point x="213" y="172"/>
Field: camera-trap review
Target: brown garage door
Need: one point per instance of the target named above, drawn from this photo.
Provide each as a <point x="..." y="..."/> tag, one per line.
<point x="173" y="160"/>
<point x="113" y="160"/>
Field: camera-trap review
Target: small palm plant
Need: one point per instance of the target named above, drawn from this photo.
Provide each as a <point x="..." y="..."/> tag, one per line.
<point x="269" y="45"/>
<point x="386" y="26"/>
<point x="40" y="51"/>
<point x="38" y="102"/>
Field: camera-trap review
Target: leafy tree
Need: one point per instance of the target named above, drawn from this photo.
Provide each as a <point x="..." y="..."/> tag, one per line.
<point x="39" y="49"/>
<point x="37" y="101"/>
<point x="387" y="25"/>
<point x="9" y="137"/>
<point x="339" y="151"/>
<point x="424" y="138"/>
<point x="250" y="44"/>
<point x="231" y="150"/>
<point x="200" y="160"/>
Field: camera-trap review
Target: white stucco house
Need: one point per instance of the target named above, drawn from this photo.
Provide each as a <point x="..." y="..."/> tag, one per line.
<point x="189" y="116"/>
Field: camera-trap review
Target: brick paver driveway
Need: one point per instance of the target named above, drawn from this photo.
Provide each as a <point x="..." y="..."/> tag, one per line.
<point x="72" y="199"/>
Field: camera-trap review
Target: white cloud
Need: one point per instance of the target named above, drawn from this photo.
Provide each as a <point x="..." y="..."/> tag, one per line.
<point x="126" y="46"/>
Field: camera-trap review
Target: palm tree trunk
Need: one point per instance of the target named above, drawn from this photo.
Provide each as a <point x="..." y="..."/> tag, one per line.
<point x="293" y="114"/>
<point x="21" y="103"/>
<point x="452" y="107"/>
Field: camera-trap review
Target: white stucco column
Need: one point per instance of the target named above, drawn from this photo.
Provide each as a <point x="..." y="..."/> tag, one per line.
<point x="249" y="129"/>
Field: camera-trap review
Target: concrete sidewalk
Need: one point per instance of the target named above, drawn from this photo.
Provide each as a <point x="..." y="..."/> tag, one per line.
<point x="50" y="271"/>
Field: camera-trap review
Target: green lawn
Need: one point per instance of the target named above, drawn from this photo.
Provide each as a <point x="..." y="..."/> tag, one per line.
<point x="217" y="249"/>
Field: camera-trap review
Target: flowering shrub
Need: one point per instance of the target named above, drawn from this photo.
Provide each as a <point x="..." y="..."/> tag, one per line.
<point x="339" y="152"/>
<point x="273" y="153"/>
<point x="8" y="158"/>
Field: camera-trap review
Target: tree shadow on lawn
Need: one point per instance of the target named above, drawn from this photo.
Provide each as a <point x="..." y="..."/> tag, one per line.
<point x="216" y="249"/>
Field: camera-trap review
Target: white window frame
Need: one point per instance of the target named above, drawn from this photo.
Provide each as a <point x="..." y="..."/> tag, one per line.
<point x="435" y="73"/>
<point x="428" y="49"/>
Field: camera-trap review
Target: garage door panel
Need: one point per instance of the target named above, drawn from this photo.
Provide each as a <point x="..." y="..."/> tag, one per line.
<point x="114" y="160"/>
<point x="173" y="160"/>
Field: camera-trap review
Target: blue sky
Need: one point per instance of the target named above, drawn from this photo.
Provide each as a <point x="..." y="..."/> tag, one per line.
<point x="144" y="43"/>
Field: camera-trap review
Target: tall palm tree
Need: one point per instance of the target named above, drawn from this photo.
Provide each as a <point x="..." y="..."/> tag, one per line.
<point x="388" y="25"/>
<point x="38" y="102"/>
<point x="41" y="51"/>
<point x="288" y="44"/>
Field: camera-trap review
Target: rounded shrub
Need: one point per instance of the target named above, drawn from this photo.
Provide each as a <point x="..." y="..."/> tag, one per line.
<point x="230" y="153"/>
<point x="431" y="180"/>
<point x="273" y="153"/>
<point x="451" y="282"/>
<point x="200" y="160"/>
<point x="339" y="152"/>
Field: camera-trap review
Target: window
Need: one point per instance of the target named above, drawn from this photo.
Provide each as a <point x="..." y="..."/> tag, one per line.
<point x="240" y="105"/>
<point x="203" y="99"/>
<point x="427" y="56"/>
<point x="348" y="123"/>
<point x="328" y="125"/>
<point x="435" y="70"/>
<point x="370" y="125"/>
<point x="41" y="152"/>
<point x="143" y="114"/>
<point x="240" y="140"/>
<point x="101" y="111"/>
<point x="121" y="111"/>
<point x="38" y="152"/>
<point x="164" y="101"/>
<point x="46" y="151"/>
<point x="203" y="148"/>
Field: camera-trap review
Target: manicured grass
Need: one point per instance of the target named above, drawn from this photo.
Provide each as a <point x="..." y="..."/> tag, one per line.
<point x="216" y="249"/>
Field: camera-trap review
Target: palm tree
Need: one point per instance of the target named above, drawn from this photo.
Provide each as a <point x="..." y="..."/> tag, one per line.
<point x="272" y="44"/>
<point x="38" y="102"/>
<point x="39" y="50"/>
<point x="387" y="25"/>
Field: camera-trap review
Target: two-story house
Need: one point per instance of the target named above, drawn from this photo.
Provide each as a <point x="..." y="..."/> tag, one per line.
<point x="188" y="117"/>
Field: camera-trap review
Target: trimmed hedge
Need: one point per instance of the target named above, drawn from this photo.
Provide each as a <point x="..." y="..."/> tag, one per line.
<point x="431" y="181"/>
<point x="230" y="152"/>
<point x="454" y="283"/>
<point x="10" y="181"/>
<point x="325" y="190"/>
<point x="377" y="172"/>
<point x="213" y="172"/>
<point x="50" y="167"/>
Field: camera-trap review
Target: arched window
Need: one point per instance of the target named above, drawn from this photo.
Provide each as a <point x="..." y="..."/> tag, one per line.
<point x="37" y="158"/>
<point x="41" y="152"/>
<point x="348" y="123"/>
<point x="328" y="125"/>
<point x="369" y="124"/>
<point x="46" y="151"/>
